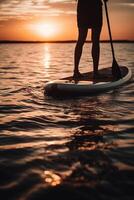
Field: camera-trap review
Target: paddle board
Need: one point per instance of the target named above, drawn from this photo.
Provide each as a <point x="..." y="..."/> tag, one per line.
<point x="87" y="85"/>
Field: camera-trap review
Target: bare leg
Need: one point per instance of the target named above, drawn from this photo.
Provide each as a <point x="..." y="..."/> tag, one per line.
<point x="96" y="49"/>
<point x="78" y="49"/>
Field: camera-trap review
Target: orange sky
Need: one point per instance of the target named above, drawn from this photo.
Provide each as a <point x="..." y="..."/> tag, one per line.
<point x="56" y="20"/>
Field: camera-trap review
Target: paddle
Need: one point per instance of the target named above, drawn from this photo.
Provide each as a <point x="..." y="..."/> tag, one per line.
<point x="116" y="72"/>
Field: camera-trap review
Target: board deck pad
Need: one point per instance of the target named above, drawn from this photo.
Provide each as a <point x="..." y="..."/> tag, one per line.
<point x="105" y="75"/>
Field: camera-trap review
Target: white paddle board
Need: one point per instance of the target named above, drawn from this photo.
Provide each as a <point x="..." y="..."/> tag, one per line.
<point x="86" y="85"/>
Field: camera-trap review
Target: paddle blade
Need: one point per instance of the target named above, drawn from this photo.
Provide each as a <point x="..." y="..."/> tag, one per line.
<point x="116" y="72"/>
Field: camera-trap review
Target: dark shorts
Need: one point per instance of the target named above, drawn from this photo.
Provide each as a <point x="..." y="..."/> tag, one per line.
<point x="89" y="14"/>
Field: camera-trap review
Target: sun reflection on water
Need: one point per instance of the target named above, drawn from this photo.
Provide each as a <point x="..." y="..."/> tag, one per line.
<point x="47" y="57"/>
<point x="51" y="178"/>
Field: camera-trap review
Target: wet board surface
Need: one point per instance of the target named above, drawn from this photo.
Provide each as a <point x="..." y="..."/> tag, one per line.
<point x="87" y="85"/>
<point x="105" y="76"/>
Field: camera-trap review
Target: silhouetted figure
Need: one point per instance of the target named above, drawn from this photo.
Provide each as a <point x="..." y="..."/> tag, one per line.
<point x="89" y="16"/>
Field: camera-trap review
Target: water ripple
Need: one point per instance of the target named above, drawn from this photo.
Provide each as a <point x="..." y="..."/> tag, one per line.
<point x="77" y="148"/>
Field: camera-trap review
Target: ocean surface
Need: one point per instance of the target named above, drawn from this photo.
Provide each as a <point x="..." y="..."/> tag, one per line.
<point x="67" y="149"/>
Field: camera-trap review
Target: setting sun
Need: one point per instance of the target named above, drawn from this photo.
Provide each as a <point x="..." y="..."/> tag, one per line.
<point x="46" y="30"/>
<point x="55" y="20"/>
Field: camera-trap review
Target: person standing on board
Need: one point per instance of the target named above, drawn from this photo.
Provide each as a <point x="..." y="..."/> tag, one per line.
<point x="89" y="16"/>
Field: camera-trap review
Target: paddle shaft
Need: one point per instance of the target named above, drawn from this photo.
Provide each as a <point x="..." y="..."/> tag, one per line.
<point x="109" y="29"/>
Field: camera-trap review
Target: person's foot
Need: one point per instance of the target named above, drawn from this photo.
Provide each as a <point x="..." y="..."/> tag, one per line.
<point x="77" y="75"/>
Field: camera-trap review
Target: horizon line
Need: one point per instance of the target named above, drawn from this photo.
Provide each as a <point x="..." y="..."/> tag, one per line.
<point x="62" y="41"/>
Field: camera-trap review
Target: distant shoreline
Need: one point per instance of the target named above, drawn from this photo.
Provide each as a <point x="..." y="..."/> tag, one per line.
<point x="65" y="41"/>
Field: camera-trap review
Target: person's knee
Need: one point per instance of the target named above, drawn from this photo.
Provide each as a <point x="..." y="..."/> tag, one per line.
<point x="96" y="43"/>
<point x="80" y="43"/>
<point x="96" y="36"/>
<point x="82" y="37"/>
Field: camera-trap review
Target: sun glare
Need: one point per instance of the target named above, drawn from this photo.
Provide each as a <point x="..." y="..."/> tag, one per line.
<point x="46" y="30"/>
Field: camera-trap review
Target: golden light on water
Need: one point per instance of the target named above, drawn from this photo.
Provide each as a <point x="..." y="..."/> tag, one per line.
<point x="47" y="57"/>
<point x="51" y="178"/>
<point x="46" y="60"/>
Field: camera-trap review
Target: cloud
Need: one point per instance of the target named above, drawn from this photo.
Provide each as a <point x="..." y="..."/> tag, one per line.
<point x="22" y="9"/>
<point x="127" y="4"/>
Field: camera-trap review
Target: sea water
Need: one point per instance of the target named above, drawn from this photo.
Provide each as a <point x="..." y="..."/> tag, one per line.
<point x="77" y="149"/>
